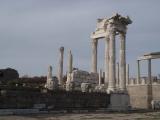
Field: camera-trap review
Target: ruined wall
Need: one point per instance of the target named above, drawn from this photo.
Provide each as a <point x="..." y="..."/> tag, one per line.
<point x="58" y="100"/>
<point x="78" y="77"/>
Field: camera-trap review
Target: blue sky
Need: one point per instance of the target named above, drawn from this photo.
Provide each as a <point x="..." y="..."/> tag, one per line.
<point x="31" y="32"/>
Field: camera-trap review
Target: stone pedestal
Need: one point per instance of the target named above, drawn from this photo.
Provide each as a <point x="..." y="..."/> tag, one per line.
<point x="119" y="102"/>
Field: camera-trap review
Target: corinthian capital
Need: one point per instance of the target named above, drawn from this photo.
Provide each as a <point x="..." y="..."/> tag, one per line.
<point x="94" y="41"/>
<point x="122" y="35"/>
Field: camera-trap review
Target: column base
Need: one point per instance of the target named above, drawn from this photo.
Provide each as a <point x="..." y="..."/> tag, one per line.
<point x="111" y="90"/>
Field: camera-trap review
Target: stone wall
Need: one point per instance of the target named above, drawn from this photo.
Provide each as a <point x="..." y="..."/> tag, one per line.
<point x="57" y="100"/>
<point x="156" y="91"/>
<point x="142" y="95"/>
<point x="138" y="96"/>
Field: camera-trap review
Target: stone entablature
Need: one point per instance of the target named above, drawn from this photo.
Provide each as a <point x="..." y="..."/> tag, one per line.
<point x="116" y="22"/>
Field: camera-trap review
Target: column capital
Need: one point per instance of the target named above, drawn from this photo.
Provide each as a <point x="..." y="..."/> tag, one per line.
<point x="107" y="37"/>
<point x="122" y="34"/>
<point x="94" y="41"/>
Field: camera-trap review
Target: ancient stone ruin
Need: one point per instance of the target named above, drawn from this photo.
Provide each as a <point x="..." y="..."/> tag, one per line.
<point x="114" y="80"/>
<point x="112" y="89"/>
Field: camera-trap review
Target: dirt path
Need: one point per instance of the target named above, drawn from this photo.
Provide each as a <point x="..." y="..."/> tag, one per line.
<point x="88" y="116"/>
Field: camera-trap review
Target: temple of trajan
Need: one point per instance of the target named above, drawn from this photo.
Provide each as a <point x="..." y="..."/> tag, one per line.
<point x="125" y="92"/>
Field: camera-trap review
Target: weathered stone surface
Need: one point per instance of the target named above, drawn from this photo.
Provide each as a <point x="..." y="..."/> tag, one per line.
<point x="86" y="87"/>
<point x="120" y="102"/>
<point x="108" y="28"/>
<point x="59" y="100"/>
<point x="78" y="77"/>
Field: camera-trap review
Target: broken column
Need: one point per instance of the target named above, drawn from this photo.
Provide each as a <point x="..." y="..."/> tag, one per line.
<point x="94" y="56"/>
<point x="70" y="62"/>
<point x="138" y="72"/>
<point x="52" y="83"/>
<point x="49" y="75"/>
<point x="60" y="66"/>
<point x="100" y="76"/>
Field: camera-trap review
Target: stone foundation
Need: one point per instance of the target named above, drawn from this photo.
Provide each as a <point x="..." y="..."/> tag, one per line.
<point x="142" y="95"/>
<point x="120" y="102"/>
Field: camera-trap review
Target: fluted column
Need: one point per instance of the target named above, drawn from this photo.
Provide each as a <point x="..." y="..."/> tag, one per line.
<point x="122" y="63"/>
<point x="106" y="60"/>
<point x="70" y="62"/>
<point x="112" y="67"/>
<point x="49" y="75"/>
<point x="127" y="74"/>
<point x="100" y="76"/>
<point x="149" y="72"/>
<point x="138" y="72"/>
<point x="117" y="75"/>
<point x="94" y="56"/>
<point x="60" y="66"/>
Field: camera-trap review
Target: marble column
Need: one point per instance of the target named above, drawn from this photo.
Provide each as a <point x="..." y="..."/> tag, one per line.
<point x="117" y="75"/>
<point x="100" y="77"/>
<point x="122" y="82"/>
<point x="149" y="72"/>
<point x="49" y="75"/>
<point x="106" y="60"/>
<point x="138" y="72"/>
<point x="70" y="62"/>
<point x="60" y="66"/>
<point x="127" y="74"/>
<point x="112" y="67"/>
<point x="94" y="56"/>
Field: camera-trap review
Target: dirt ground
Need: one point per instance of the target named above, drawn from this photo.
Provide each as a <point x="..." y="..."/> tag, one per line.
<point x="88" y="116"/>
